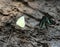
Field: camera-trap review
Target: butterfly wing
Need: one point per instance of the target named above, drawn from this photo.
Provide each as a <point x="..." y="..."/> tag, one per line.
<point x="21" y="22"/>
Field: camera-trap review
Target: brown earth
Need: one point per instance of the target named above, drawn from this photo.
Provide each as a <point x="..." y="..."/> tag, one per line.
<point x="31" y="35"/>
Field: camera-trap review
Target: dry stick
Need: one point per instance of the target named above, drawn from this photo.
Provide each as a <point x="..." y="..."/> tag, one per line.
<point x="1" y="12"/>
<point x="4" y="14"/>
<point x="27" y="5"/>
<point x="2" y="41"/>
<point x="29" y="15"/>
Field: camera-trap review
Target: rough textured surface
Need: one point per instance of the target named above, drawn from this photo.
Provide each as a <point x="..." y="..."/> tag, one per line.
<point x="31" y="36"/>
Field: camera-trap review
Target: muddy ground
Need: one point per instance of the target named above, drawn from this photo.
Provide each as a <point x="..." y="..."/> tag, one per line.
<point x="31" y="35"/>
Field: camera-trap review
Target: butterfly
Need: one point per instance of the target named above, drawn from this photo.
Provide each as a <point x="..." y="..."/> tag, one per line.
<point x="21" y="22"/>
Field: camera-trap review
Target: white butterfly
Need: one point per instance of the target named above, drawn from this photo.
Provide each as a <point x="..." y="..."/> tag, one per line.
<point x="21" y="22"/>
